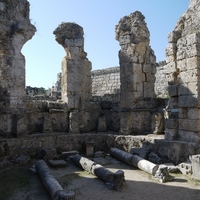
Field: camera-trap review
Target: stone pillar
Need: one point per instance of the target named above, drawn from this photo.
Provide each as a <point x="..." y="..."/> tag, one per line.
<point x="137" y="68"/>
<point x="76" y="69"/>
<point x="15" y="31"/>
<point x="183" y="61"/>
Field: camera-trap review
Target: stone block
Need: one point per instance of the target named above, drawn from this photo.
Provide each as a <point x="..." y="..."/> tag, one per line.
<point x="89" y="149"/>
<point x="183" y="89"/>
<point x="124" y="123"/>
<point x="174" y="36"/>
<point x="172" y="90"/>
<point x="67" y="154"/>
<point x="193" y="88"/>
<point x="170" y="59"/>
<point x="185" y="168"/>
<point x="147" y="68"/>
<point x="139" y="87"/>
<point x="74" y="122"/>
<point x="171" y="123"/>
<point x="170" y="67"/>
<point x="150" y="77"/>
<point x="171" y="134"/>
<point x="188" y="101"/>
<point x="50" y="153"/>
<point x="188" y="76"/>
<point x="188" y="136"/>
<point x="57" y="163"/>
<point x="149" y="90"/>
<point x="102" y="124"/>
<point x="171" y="50"/>
<point x="183" y="113"/>
<point x="194" y="113"/>
<point x="189" y="125"/>
<point x="187" y="50"/>
<point x="193" y="38"/>
<point x="195" y="160"/>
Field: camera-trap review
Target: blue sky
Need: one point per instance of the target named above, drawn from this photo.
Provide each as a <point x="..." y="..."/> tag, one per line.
<point x="98" y="19"/>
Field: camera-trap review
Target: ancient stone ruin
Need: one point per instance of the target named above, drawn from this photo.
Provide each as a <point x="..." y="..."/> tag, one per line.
<point x="182" y="58"/>
<point x="142" y="107"/>
<point x="76" y="69"/>
<point x="137" y="74"/>
<point x="16" y="30"/>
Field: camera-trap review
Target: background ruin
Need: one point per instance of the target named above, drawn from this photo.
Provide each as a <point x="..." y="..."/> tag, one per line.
<point x="108" y="107"/>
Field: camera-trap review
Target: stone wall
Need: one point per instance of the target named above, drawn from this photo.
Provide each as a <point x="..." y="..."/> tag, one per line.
<point x="76" y="68"/>
<point x="106" y="84"/>
<point x="183" y="61"/>
<point x="168" y="151"/>
<point x="161" y="84"/>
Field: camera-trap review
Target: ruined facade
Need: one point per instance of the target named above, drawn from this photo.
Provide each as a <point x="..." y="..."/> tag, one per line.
<point x="137" y="74"/>
<point x="183" y="62"/>
<point x="76" y="69"/>
<point x="128" y="103"/>
<point x="15" y="31"/>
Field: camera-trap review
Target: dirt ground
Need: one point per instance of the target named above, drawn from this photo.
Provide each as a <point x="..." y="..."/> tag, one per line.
<point x="20" y="184"/>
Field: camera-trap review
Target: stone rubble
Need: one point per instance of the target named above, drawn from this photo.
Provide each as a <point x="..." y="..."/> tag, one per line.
<point x="115" y="107"/>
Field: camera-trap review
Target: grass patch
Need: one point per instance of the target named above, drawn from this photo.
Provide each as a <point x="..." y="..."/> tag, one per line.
<point x="12" y="180"/>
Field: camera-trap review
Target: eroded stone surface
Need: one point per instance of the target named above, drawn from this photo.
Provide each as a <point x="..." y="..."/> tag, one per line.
<point x="137" y="61"/>
<point x="76" y="68"/>
<point x="183" y="60"/>
<point x="15" y="31"/>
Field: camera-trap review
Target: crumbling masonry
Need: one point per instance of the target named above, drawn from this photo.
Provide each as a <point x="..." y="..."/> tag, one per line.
<point x="127" y="109"/>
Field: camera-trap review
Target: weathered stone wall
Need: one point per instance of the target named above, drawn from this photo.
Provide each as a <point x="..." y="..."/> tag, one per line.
<point x="76" y="68"/>
<point x="106" y="84"/>
<point x="15" y="31"/>
<point x="137" y="62"/>
<point x="183" y="61"/>
<point x="137" y="74"/>
<point x="161" y="83"/>
<point x="46" y="116"/>
<point x="170" y="151"/>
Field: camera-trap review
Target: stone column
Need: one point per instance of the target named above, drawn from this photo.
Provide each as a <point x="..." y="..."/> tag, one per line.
<point x="15" y="31"/>
<point x="137" y="71"/>
<point x="76" y="69"/>
<point x="183" y="61"/>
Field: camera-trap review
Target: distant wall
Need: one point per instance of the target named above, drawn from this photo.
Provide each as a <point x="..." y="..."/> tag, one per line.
<point x="162" y="78"/>
<point x="106" y="83"/>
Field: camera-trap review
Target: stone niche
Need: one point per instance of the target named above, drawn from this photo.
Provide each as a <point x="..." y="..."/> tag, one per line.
<point x="137" y="74"/>
<point x="183" y="61"/>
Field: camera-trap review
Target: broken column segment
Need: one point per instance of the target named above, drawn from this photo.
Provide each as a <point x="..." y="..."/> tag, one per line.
<point x="76" y="68"/>
<point x="54" y="189"/>
<point x="134" y="160"/>
<point x="114" y="181"/>
<point x="183" y="61"/>
<point x="137" y="74"/>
